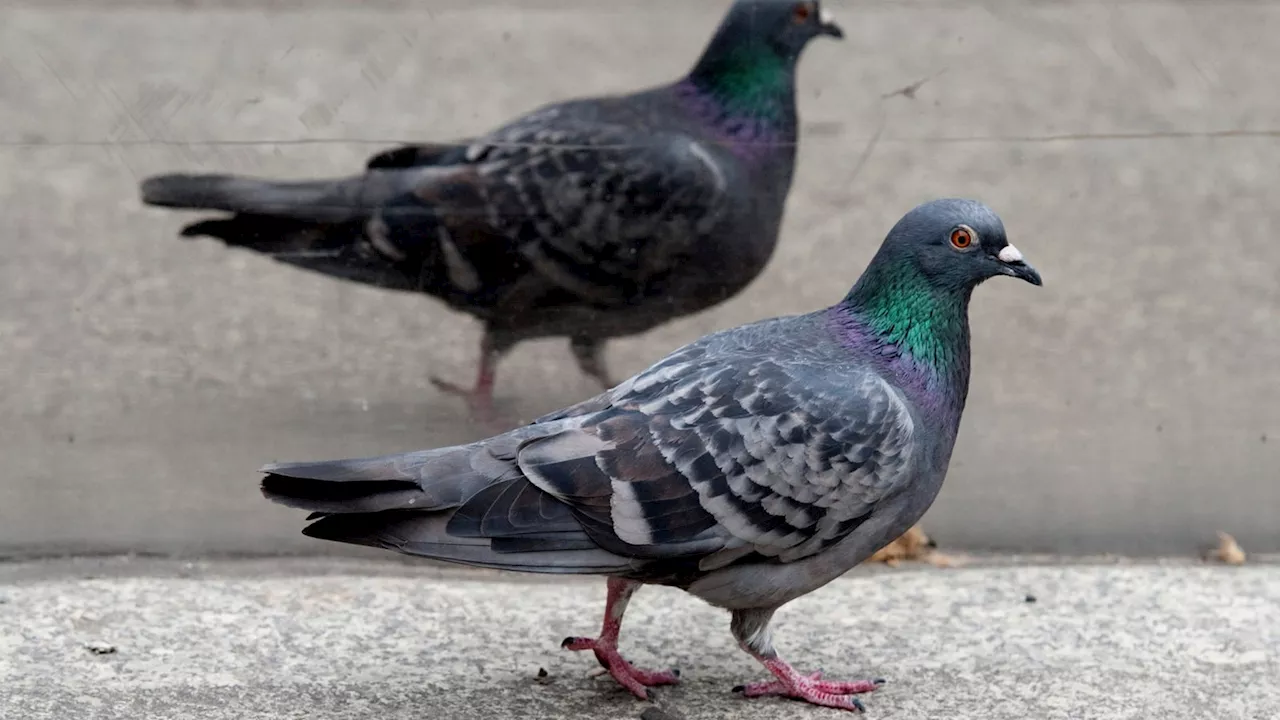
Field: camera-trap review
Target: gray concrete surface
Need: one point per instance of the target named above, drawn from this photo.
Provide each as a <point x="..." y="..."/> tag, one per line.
<point x="269" y="641"/>
<point x="1129" y="406"/>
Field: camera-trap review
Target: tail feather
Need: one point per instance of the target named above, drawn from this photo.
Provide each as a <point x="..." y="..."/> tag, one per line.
<point x="322" y="498"/>
<point x="321" y="201"/>
<point x="335" y="250"/>
<point x="371" y="229"/>
<point x="425" y="535"/>
<point x="436" y="504"/>
<point x="429" y="480"/>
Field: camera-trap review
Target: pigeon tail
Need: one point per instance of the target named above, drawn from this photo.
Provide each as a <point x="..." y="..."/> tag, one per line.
<point x="349" y="228"/>
<point x="320" y="201"/>
<point x="434" y="504"/>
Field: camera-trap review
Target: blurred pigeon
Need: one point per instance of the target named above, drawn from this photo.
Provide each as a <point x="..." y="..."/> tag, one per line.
<point x="591" y="219"/>
<point x="748" y="468"/>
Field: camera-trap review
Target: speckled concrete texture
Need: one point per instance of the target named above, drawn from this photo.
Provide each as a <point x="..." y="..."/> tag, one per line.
<point x="325" y="640"/>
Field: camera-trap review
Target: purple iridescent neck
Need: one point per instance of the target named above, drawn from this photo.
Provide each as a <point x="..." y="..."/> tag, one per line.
<point x="748" y="131"/>
<point x="934" y="374"/>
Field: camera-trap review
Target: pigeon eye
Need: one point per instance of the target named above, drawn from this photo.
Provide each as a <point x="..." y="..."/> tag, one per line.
<point x="802" y="12"/>
<point x="962" y="237"/>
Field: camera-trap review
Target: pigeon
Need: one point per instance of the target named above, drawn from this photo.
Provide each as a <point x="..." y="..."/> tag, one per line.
<point x="590" y="219"/>
<point x="747" y="468"/>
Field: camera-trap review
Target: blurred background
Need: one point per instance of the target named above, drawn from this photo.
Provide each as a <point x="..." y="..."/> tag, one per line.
<point x="1132" y="148"/>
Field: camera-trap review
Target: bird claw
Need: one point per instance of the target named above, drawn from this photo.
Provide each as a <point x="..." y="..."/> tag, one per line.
<point x="630" y="677"/>
<point x="813" y="689"/>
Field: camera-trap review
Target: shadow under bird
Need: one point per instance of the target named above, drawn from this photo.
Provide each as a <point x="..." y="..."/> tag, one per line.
<point x="590" y="219"/>
<point x="747" y="468"/>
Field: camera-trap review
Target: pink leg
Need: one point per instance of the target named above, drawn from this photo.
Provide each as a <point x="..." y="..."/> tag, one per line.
<point x="480" y="397"/>
<point x="605" y="647"/>
<point x="751" y="628"/>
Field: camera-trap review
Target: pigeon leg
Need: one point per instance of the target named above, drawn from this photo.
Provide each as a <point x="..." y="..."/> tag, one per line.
<point x="751" y="629"/>
<point x="589" y="352"/>
<point x="605" y="647"/>
<point x="480" y="397"/>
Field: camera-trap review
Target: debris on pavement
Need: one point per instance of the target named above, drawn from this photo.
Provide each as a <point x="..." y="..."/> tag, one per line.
<point x="543" y="677"/>
<point x="1228" y="550"/>
<point x="100" y="648"/>
<point x="914" y="544"/>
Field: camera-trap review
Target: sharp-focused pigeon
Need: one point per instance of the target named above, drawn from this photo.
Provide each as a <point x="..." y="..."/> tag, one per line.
<point x="748" y="468"/>
<point x="588" y="219"/>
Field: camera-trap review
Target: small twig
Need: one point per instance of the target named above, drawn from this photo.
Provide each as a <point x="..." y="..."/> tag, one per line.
<point x="909" y="91"/>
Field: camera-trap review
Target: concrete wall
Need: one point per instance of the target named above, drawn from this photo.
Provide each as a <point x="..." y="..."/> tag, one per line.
<point x="1129" y="405"/>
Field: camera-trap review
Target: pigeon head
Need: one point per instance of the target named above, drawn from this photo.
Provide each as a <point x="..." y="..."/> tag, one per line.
<point x="956" y="244"/>
<point x="787" y="26"/>
<point x="914" y="295"/>
<point x="759" y="41"/>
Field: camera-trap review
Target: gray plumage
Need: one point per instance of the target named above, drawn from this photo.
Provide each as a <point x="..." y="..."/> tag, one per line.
<point x="590" y="218"/>
<point x="755" y="446"/>
<point x="748" y="468"/>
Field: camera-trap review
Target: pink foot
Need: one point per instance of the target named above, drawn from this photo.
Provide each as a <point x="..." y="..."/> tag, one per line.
<point x="628" y="676"/>
<point x="810" y="688"/>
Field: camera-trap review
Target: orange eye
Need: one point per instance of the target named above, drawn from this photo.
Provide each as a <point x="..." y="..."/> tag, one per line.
<point x="961" y="237"/>
<point x="802" y="12"/>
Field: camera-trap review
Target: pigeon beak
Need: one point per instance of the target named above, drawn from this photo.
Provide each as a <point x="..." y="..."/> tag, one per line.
<point x="1012" y="264"/>
<point x="828" y="25"/>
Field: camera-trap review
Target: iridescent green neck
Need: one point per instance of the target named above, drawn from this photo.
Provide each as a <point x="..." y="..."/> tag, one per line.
<point x="749" y="81"/>
<point x="898" y="306"/>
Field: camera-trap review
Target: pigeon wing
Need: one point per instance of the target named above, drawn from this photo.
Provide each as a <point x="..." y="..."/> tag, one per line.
<point x="701" y="454"/>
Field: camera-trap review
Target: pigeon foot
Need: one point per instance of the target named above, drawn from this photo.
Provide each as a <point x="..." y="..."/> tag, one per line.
<point x="809" y="688"/>
<point x="627" y="675"/>
<point x="605" y="647"/>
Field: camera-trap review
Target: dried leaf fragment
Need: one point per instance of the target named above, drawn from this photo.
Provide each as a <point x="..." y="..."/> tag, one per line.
<point x="1228" y="550"/>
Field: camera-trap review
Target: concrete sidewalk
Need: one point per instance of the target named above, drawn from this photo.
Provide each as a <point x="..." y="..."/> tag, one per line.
<point x="331" y="639"/>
